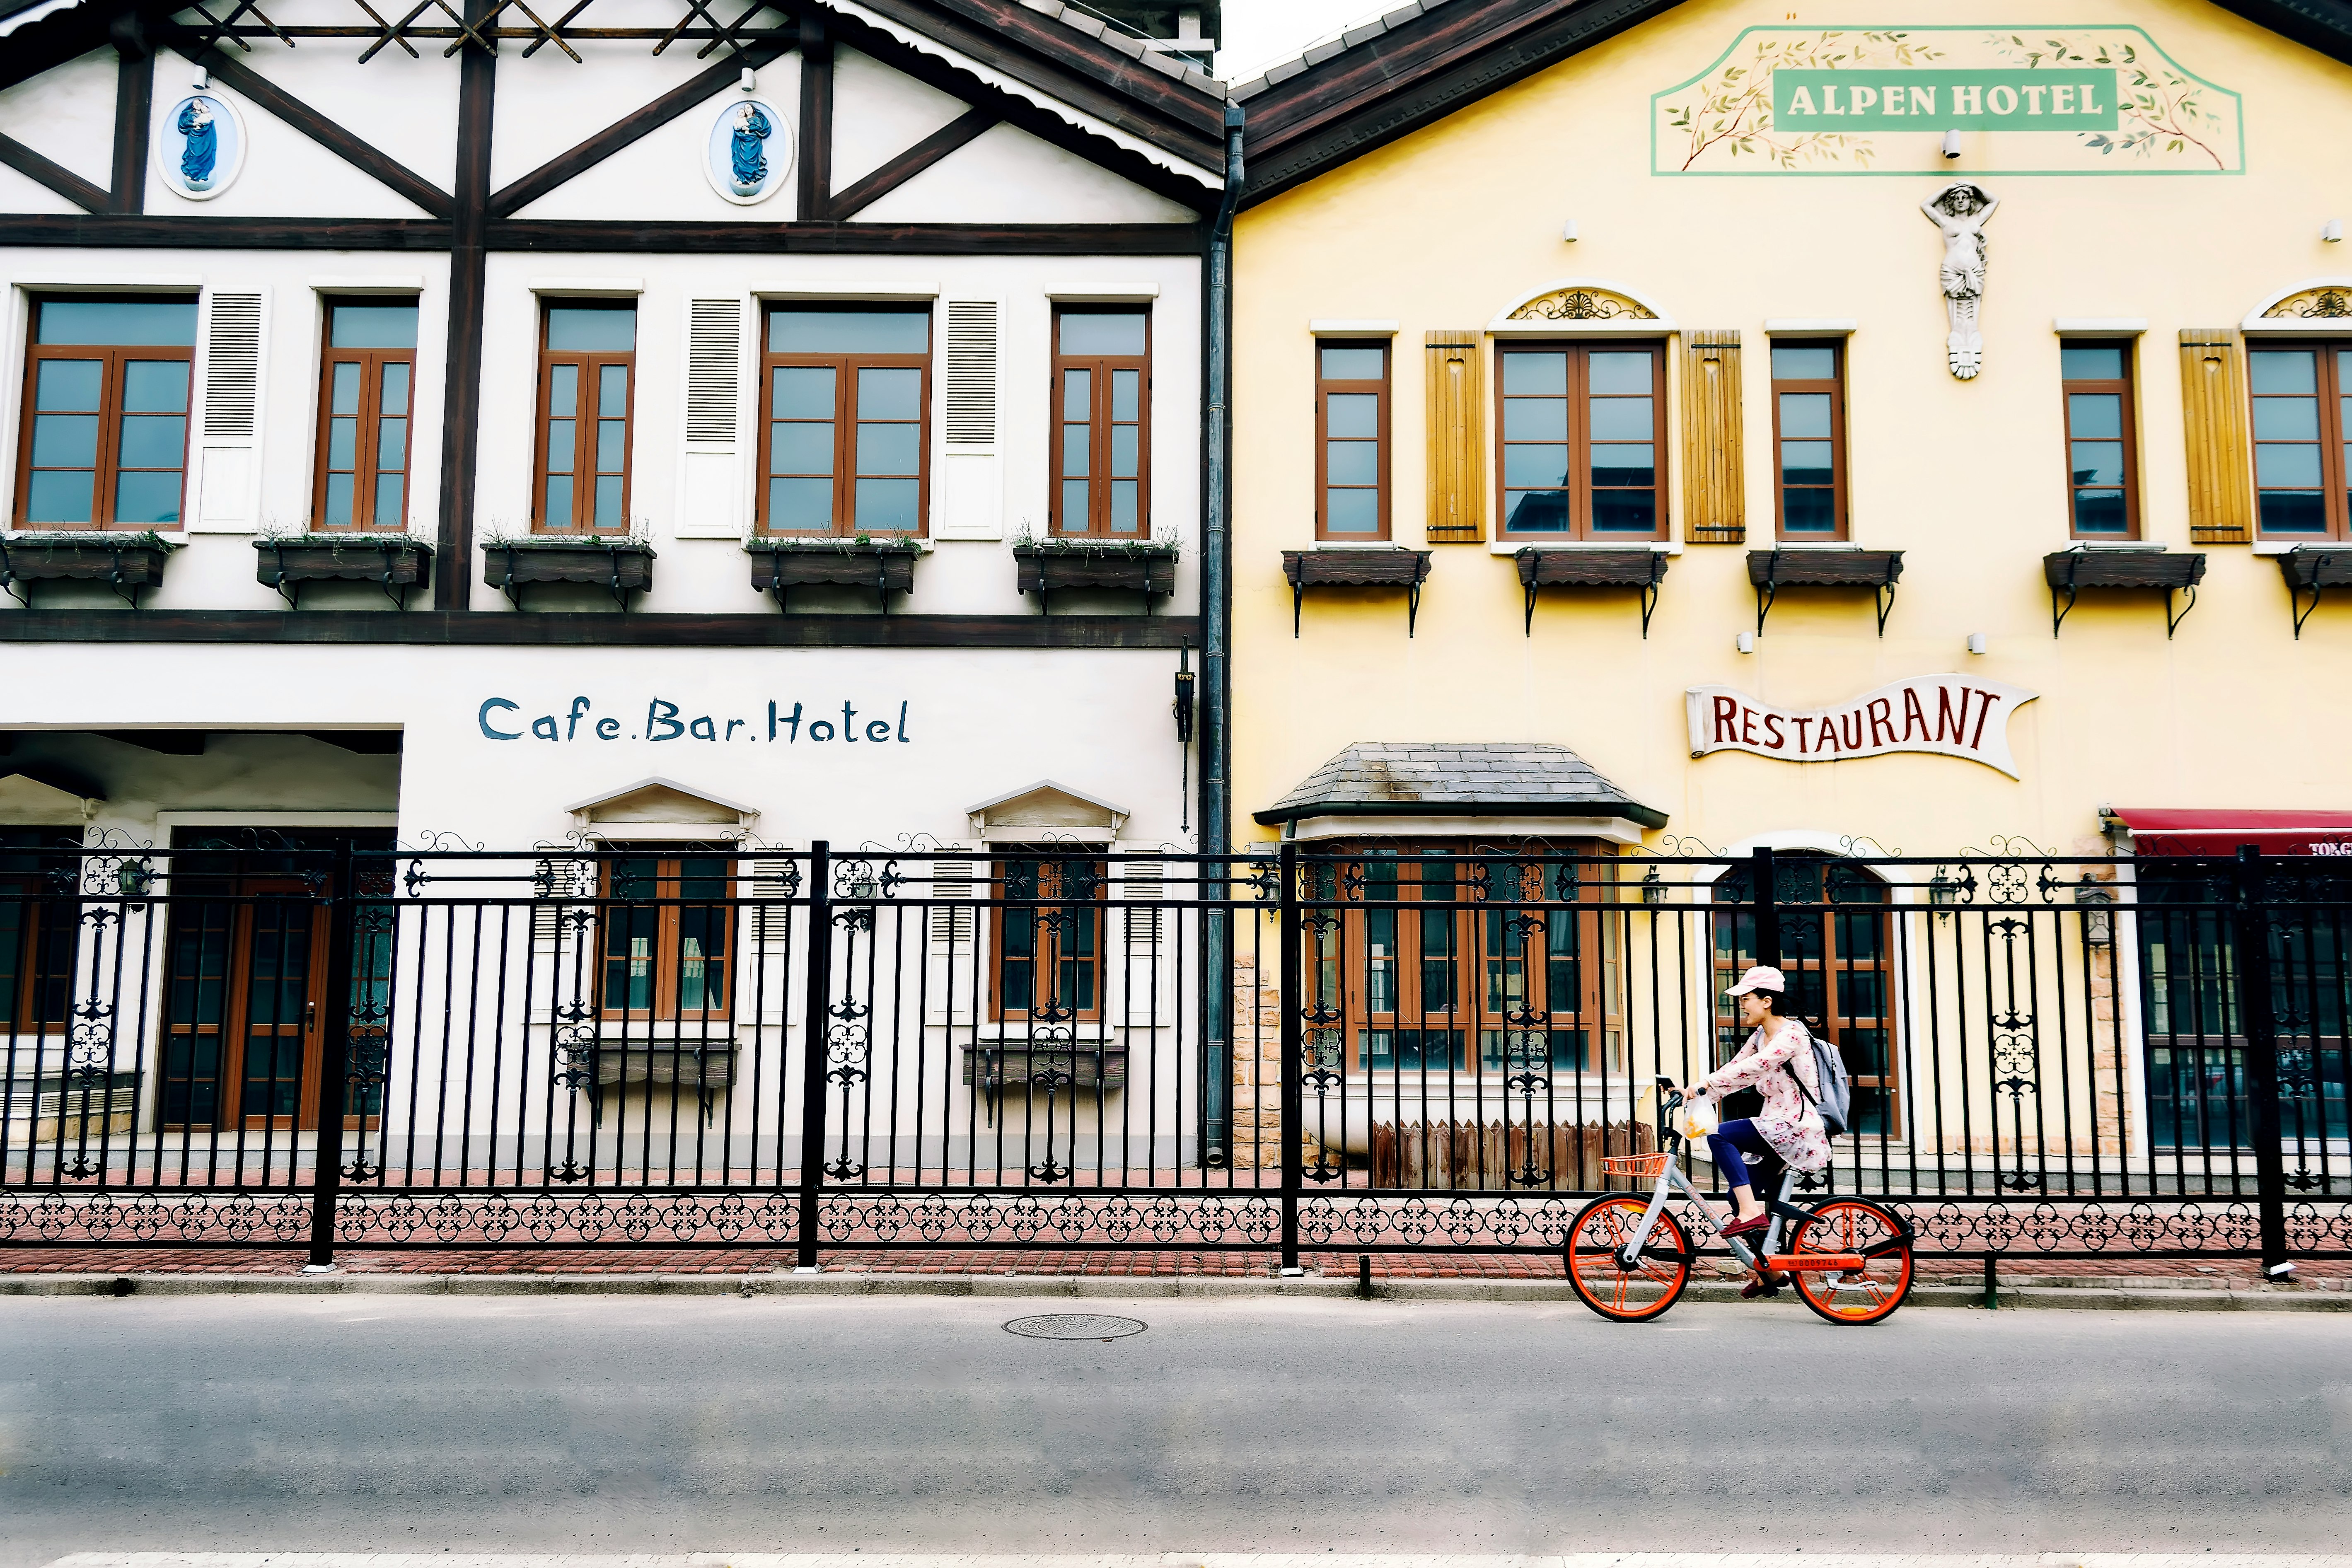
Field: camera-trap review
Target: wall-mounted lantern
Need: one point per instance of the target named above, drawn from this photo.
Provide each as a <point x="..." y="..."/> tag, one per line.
<point x="1184" y="704"/>
<point x="2096" y="903"/>
<point x="1943" y="892"/>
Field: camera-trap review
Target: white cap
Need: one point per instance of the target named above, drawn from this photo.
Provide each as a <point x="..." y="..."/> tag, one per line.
<point x="1763" y="977"/>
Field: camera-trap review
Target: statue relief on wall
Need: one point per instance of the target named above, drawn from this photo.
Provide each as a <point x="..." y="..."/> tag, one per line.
<point x="1960" y="211"/>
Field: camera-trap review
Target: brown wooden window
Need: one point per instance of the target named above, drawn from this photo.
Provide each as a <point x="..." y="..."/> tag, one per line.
<point x="1808" y="439"/>
<point x="1414" y="988"/>
<point x="1046" y="940"/>
<point x="105" y="441"/>
<point x="845" y="400"/>
<point x="1102" y="421"/>
<point x="246" y="983"/>
<point x="1581" y="452"/>
<point x="587" y="365"/>
<point x="366" y="398"/>
<point x="665" y="957"/>
<point x="1351" y="440"/>
<point x="2300" y="428"/>
<point x="1841" y="972"/>
<point x="2102" y="448"/>
<point x="39" y="917"/>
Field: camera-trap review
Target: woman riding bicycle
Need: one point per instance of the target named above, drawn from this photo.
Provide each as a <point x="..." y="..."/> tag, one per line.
<point x="1777" y="1060"/>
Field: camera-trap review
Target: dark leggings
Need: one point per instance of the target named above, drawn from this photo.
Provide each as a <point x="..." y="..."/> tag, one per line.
<point x="1731" y="1140"/>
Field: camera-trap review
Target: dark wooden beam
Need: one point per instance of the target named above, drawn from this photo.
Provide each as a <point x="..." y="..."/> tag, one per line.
<point x="557" y="235"/>
<point x="815" y="188"/>
<point x="140" y="232"/>
<point x="73" y="781"/>
<point x="1038" y="121"/>
<point x="478" y="81"/>
<point x="956" y="133"/>
<point x="631" y="127"/>
<point x="352" y="149"/>
<point x="487" y="629"/>
<point x="134" y="93"/>
<point x="55" y="176"/>
<point x="364" y="742"/>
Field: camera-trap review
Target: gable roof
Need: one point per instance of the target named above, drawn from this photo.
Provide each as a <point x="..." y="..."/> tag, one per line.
<point x="1457" y="778"/>
<point x="1399" y="73"/>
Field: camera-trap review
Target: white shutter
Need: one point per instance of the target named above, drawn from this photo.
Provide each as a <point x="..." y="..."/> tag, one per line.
<point x="951" y="925"/>
<point x="224" y="483"/>
<point x="772" y="924"/>
<point x="970" y="502"/>
<point x="710" y="474"/>
<point x="958" y="968"/>
<point x="1142" y="885"/>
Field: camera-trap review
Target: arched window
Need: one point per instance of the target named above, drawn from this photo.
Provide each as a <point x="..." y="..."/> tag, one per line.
<point x="1837" y="948"/>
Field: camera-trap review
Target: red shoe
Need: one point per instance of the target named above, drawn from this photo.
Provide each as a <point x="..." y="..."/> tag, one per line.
<point x="1747" y="1226"/>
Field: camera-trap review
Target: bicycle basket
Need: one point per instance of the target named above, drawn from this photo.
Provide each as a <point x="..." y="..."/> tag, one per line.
<point x="1645" y="1167"/>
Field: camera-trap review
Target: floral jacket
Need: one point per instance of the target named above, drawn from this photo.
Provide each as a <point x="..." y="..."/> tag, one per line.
<point x="1787" y="1121"/>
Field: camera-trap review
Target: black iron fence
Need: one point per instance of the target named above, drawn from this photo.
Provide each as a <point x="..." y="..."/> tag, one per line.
<point x="1332" y="1046"/>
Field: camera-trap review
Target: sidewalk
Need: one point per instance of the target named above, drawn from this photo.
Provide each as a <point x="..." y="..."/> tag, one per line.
<point x="2101" y="1284"/>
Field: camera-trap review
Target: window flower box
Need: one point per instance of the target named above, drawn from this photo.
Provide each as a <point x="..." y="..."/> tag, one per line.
<point x="620" y="566"/>
<point x="885" y="565"/>
<point x="1396" y="568"/>
<point x="393" y="561"/>
<point x="1769" y="570"/>
<point x="2312" y="569"/>
<point x="1049" y="566"/>
<point x="2069" y="571"/>
<point x="1639" y="568"/>
<point x="130" y="563"/>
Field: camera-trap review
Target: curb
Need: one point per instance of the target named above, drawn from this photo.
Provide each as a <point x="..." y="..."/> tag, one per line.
<point x="1109" y="1288"/>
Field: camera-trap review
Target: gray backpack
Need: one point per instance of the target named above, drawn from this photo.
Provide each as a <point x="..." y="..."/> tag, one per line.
<point x="1836" y="1101"/>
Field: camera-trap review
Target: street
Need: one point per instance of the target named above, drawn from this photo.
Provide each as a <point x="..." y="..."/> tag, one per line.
<point x="618" y="1424"/>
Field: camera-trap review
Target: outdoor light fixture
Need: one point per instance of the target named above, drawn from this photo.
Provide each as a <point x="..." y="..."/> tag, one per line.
<point x="1654" y="888"/>
<point x="2095" y="901"/>
<point x="204" y="79"/>
<point x="134" y="880"/>
<point x="1976" y="642"/>
<point x="1184" y="679"/>
<point x="1943" y="892"/>
<point x="749" y="80"/>
<point x="1568" y="231"/>
<point x="1745" y="642"/>
<point x="2332" y="231"/>
<point x="1951" y="143"/>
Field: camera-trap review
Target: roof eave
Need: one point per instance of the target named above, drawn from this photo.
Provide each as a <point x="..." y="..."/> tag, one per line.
<point x="1629" y="810"/>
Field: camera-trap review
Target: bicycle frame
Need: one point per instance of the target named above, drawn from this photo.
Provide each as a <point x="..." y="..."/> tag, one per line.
<point x="1672" y="1179"/>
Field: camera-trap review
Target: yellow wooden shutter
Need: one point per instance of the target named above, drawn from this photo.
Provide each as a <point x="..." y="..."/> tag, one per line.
<point x="1714" y="496"/>
<point x="1458" y="476"/>
<point x="2213" y="431"/>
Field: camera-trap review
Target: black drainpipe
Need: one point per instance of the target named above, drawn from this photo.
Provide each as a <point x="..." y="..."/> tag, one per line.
<point x="1216" y="621"/>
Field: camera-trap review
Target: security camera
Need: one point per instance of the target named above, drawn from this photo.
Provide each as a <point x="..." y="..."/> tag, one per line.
<point x="1951" y="144"/>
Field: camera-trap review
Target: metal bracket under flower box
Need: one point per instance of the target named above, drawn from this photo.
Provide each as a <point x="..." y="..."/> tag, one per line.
<point x="1774" y="570"/>
<point x="393" y="561"/>
<point x="128" y="568"/>
<point x="1638" y="568"/>
<point x="2312" y="571"/>
<point x="620" y="569"/>
<point x="885" y="569"/>
<point x="1398" y="568"/>
<point x="2068" y="572"/>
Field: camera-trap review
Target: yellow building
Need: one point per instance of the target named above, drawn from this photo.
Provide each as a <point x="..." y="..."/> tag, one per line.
<point x="1882" y="430"/>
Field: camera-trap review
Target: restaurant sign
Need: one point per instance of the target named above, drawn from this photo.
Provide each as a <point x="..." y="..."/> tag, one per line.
<point x="2068" y="100"/>
<point x="1944" y="715"/>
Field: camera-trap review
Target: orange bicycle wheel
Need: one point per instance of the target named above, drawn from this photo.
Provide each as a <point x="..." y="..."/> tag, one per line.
<point x="1598" y="1275"/>
<point x="1868" y="1295"/>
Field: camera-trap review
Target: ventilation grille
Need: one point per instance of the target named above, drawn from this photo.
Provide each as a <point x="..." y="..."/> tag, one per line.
<point x="1142" y="882"/>
<point x="714" y="353"/>
<point x="772" y="924"/>
<point x="951" y="927"/>
<point x="971" y="372"/>
<point x="233" y="366"/>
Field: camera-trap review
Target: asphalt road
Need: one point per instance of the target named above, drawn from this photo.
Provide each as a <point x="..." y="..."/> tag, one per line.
<point x="612" y="1424"/>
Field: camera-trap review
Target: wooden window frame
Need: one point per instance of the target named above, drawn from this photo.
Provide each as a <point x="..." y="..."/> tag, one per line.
<point x="1097" y="522"/>
<point x="1046" y="955"/>
<point x="844" y="367"/>
<point x="1325" y="388"/>
<point x="107" y="473"/>
<point x="2122" y="388"/>
<point x="667" y="957"/>
<point x="47" y="941"/>
<point x="1346" y="943"/>
<point x="1579" y="441"/>
<point x="1835" y="387"/>
<point x="2329" y="389"/>
<point x="370" y="416"/>
<point x="584" y="418"/>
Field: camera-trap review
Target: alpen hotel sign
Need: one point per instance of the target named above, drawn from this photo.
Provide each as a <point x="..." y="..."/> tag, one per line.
<point x="1944" y="715"/>
<point x="2053" y="101"/>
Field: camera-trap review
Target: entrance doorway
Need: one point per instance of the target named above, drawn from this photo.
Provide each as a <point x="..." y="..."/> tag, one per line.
<point x="247" y="975"/>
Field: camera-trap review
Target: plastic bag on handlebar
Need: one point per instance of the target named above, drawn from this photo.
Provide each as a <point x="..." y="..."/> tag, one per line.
<point x="1697" y="1118"/>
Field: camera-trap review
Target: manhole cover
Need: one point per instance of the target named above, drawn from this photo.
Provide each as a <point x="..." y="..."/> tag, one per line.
<point x="1074" y="1326"/>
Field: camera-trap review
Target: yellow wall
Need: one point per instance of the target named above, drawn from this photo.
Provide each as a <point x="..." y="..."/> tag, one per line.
<point x="1449" y="227"/>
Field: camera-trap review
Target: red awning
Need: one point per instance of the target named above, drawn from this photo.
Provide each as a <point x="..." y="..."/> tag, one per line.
<point x="2221" y="832"/>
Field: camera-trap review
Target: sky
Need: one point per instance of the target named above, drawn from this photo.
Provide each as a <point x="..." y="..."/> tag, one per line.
<point x="1260" y="33"/>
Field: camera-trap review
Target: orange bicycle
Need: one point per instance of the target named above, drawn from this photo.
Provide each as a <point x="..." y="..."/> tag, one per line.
<point x="1629" y="1258"/>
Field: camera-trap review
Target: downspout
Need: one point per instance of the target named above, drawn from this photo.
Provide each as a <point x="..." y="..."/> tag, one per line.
<point x="1216" y="625"/>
